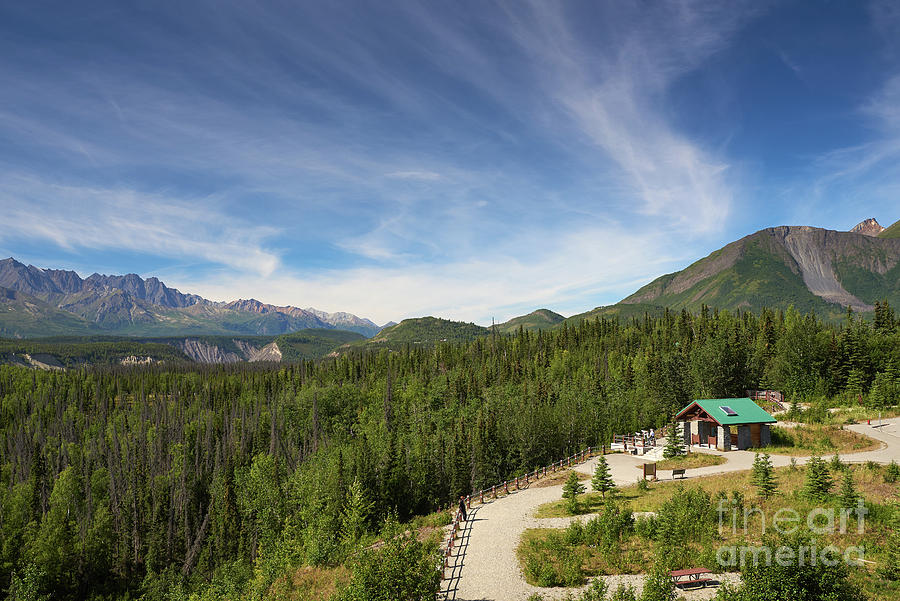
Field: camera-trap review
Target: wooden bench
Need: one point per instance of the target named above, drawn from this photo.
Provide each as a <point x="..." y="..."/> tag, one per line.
<point x="678" y="472"/>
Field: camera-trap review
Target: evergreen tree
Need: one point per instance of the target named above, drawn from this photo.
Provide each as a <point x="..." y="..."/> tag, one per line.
<point x="848" y="492"/>
<point x="763" y="476"/>
<point x="818" y="479"/>
<point x="354" y="514"/>
<point x="571" y="489"/>
<point x="674" y="441"/>
<point x="892" y="473"/>
<point x="890" y="567"/>
<point x="602" y="480"/>
<point x="836" y="464"/>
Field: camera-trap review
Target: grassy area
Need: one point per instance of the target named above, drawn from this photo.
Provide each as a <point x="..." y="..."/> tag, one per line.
<point x="869" y="481"/>
<point x="858" y="415"/>
<point x="558" y="478"/>
<point x="309" y="584"/>
<point x="547" y="559"/>
<point x="690" y="461"/>
<point x="587" y="503"/>
<point x="813" y="439"/>
<point x="564" y="560"/>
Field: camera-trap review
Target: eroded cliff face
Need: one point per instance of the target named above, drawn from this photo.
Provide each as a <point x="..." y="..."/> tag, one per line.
<point x="840" y="268"/>
<point x="809" y="247"/>
<point x="269" y="352"/>
<point x="203" y="352"/>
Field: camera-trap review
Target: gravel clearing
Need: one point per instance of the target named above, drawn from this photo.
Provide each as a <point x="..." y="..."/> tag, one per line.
<point x="484" y="566"/>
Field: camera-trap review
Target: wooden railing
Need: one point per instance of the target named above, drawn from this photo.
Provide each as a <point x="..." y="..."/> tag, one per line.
<point x="506" y="488"/>
<point x="771" y="396"/>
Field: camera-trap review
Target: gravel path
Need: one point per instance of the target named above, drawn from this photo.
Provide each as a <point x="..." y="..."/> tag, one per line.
<point x="484" y="566"/>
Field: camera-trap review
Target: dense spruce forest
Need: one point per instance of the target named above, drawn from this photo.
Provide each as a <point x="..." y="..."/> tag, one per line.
<point x="162" y="482"/>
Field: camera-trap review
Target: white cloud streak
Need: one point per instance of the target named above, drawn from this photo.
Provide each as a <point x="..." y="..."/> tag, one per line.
<point x="589" y="261"/>
<point x="121" y="219"/>
<point x="448" y="216"/>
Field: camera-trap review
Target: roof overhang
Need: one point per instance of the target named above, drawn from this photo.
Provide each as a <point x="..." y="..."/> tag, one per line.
<point x="695" y="413"/>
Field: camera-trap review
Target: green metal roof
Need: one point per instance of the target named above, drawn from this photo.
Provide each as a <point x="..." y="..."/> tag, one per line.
<point x="746" y="411"/>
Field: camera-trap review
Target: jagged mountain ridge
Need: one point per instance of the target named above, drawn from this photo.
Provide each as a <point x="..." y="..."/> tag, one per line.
<point x="868" y="227"/>
<point x="53" y="302"/>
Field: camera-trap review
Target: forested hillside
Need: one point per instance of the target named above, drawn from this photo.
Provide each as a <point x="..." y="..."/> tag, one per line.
<point x="162" y="481"/>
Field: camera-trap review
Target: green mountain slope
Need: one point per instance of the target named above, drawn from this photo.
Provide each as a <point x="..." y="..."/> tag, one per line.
<point x="314" y="343"/>
<point x="542" y="319"/>
<point x="24" y="316"/>
<point x="429" y="330"/>
<point x="621" y="311"/>
<point x="811" y="268"/>
<point x="892" y="231"/>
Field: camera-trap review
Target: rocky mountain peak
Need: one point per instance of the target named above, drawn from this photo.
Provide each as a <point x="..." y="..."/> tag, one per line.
<point x="868" y="227"/>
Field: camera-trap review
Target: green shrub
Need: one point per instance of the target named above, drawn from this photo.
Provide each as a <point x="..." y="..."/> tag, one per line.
<point x="404" y="568"/>
<point x="793" y="580"/>
<point x="574" y="533"/>
<point x="889" y="567"/>
<point x="572" y="573"/>
<point x="624" y="593"/>
<point x="645" y="527"/>
<point x="609" y="527"/>
<point x="892" y="473"/>
<point x="658" y="586"/>
<point x="596" y="591"/>
<point x="688" y="516"/>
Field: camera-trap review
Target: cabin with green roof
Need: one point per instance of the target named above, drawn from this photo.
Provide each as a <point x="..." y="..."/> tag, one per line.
<point x="726" y="423"/>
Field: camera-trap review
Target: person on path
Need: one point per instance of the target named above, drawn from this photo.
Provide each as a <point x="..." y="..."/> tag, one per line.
<point x="462" y="508"/>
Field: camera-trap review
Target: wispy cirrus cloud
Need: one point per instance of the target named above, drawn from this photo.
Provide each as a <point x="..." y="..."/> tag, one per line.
<point x="499" y="286"/>
<point x="122" y="220"/>
<point x="310" y="153"/>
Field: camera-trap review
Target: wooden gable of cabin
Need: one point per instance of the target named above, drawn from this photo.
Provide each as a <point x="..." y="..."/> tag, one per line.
<point x="695" y="413"/>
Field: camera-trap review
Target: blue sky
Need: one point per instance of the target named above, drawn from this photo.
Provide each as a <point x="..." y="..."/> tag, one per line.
<point x="471" y="160"/>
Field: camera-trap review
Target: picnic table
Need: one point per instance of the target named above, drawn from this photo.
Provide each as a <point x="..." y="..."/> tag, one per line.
<point x="690" y="577"/>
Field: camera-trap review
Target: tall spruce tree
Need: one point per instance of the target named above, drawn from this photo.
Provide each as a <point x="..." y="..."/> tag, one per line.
<point x="602" y="480"/>
<point x="848" y="492"/>
<point x="818" y="479"/>
<point x="674" y="441"/>
<point x="763" y="476"/>
<point x="571" y="489"/>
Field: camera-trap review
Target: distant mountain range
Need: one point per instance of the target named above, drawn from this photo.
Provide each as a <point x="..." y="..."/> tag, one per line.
<point x="45" y="302"/>
<point x="813" y="269"/>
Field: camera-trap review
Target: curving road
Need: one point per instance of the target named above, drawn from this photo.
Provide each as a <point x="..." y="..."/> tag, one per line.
<point x="485" y="568"/>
